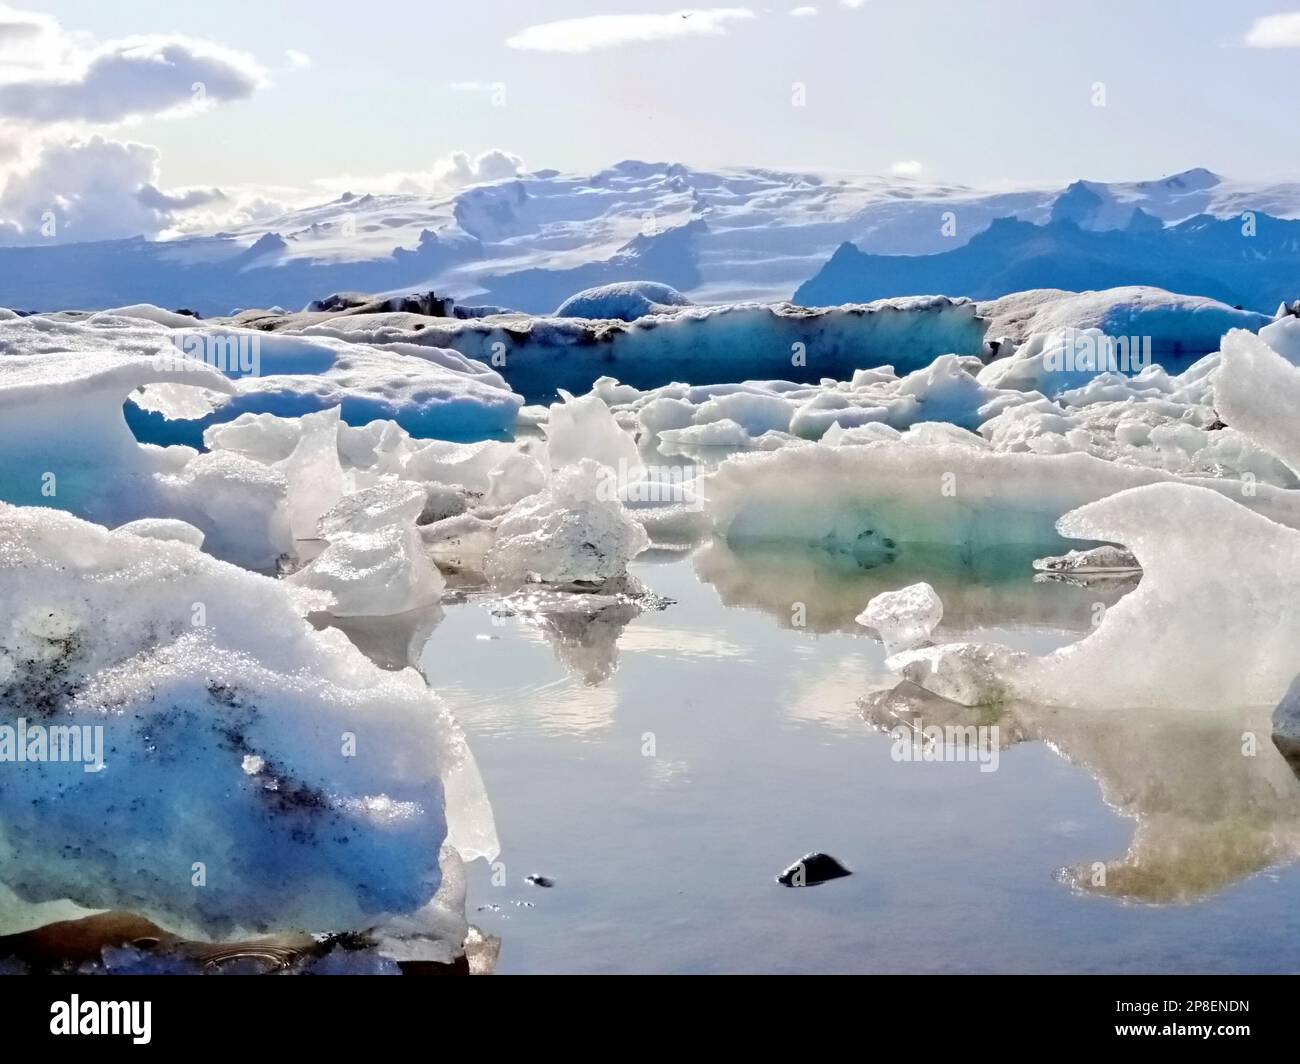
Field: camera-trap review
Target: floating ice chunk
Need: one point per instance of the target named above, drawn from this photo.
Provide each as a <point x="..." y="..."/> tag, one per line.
<point x="517" y="477"/>
<point x="103" y="631"/>
<point x="614" y="393"/>
<point x="970" y="674"/>
<point x="62" y="433"/>
<point x="314" y="473"/>
<point x="624" y="301"/>
<point x="1176" y="324"/>
<point x="725" y="342"/>
<point x="428" y="389"/>
<point x="945" y="391"/>
<point x="865" y="499"/>
<point x="1098" y="561"/>
<point x="575" y="532"/>
<point x="665" y="412"/>
<point x="1257" y="391"/>
<point x="1214" y="622"/>
<point x="65" y="443"/>
<point x="831" y="409"/>
<point x="872" y="432"/>
<point x="1065" y="359"/>
<point x="463" y="465"/>
<point x="723" y="433"/>
<point x="460" y="542"/>
<point x="757" y="413"/>
<point x="145" y="312"/>
<point x="264" y="438"/>
<point x="238" y="503"/>
<point x="584" y="428"/>
<point x="1283" y="336"/>
<point x="164" y="528"/>
<point x="375" y="564"/>
<point x="905" y="617"/>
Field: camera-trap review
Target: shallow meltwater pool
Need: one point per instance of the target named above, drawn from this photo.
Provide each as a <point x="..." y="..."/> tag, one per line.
<point x="661" y="769"/>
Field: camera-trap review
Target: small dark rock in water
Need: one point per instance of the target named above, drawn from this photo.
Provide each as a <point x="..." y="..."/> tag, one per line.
<point x="811" y="869"/>
<point x="539" y="881"/>
<point x="1286" y="726"/>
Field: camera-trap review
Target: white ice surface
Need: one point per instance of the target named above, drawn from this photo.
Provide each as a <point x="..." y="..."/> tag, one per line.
<point x="227" y="723"/>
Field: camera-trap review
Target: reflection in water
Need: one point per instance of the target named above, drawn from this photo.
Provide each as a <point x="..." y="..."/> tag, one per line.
<point x="827" y="695"/>
<point x="583" y="628"/>
<point x="826" y="591"/>
<point x="1212" y="798"/>
<point x="1206" y="813"/>
<point x="394" y="642"/>
<point x="560" y="707"/>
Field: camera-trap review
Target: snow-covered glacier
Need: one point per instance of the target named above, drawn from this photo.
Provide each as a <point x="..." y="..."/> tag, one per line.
<point x="734" y="234"/>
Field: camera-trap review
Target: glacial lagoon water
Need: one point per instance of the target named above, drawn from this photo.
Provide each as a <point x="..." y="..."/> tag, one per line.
<point x="662" y="769"/>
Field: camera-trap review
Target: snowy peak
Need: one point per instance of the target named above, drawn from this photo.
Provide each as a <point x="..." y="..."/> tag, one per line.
<point x="531" y="240"/>
<point x="1195" y="180"/>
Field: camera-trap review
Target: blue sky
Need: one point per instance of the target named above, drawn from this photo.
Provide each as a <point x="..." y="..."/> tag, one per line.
<point x="1000" y="90"/>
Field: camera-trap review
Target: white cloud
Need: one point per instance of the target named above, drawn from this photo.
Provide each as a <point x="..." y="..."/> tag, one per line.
<point x="852" y="4"/>
<point x="297" y="60"/>
<point x="1275" y="31"/>
<point x="906" y="168"/>
<point x="23" y="27"/>
<point x="451" y="172"/>
<point x="803" y="12"/>
<point x="130" y="78"/>
<point x="575" y="35"/>
<point x="151" y="196"/>
<point x="459" y="168"/>
<point x="97" y="188"/>
<point x="49" y="75"/>
<point x="85" y="190"/>
<point x="26" y="38"/>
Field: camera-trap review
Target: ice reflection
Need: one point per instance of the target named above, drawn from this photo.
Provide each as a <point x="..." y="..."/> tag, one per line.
<point x="1212" y="799"/>
<point x="582" y="628"/>
<point x="393" y="642"/>
<point x="823" y="591"/>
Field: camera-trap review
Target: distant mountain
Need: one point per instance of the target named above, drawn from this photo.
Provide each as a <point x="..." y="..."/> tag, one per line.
<point x="1255" y="265"/>
<point x="529" y="242"/>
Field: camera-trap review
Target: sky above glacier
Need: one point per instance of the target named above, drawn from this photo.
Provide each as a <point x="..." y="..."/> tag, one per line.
<point x="294" y="94"/>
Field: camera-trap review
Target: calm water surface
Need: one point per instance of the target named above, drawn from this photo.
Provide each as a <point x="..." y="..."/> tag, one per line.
<point x="760" y="751"/>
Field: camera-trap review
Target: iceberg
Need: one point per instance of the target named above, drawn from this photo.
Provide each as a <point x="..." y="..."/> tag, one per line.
<point x="66" y="444"/>
<point x="243" y="750"/>
<point x="625" y="301"/>
<point x="576" y="532"/>
<point x="429" y="391"/>
<point x="374" y="563"/>
<point x="905" y="617"/>
<point x="867" y="500"/>
<point x="703" y="344"/>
